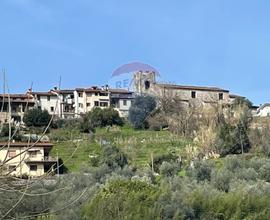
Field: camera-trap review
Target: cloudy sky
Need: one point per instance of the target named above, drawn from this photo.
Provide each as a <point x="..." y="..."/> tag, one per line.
<point x="223" y="43"/>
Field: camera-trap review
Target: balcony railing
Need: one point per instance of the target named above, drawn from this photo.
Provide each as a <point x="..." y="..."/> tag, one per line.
<point x="42" y="159"/>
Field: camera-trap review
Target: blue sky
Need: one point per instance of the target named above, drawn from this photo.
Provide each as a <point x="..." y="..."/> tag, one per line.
<point x="223" y="43"/>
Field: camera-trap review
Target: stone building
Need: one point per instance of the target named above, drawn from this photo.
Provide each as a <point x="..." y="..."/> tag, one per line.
<point x="145" y="83"/>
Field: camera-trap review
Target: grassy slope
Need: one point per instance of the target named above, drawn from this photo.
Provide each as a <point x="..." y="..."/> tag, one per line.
<point x="137" y="144"/>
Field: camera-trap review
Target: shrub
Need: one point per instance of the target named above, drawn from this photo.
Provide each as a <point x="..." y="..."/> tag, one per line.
<point x="157" y="122"/>
<point x="4" y="133"/>
<point x="221" y="180"/>
<point x="36" y="118"/>
<point x="123" y="199"/>
<point x="159" y="159"/>
<point x="232" y="163"/>
<point x="113" y="157"/>
<point x="169" y="169"/>
<point x="201" y="171"/>
<point x="264" y="172"/>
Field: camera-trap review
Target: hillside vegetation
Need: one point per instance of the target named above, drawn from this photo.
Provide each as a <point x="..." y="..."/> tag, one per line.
<point x="172" y="163"/>
<point x="76" y="148"/>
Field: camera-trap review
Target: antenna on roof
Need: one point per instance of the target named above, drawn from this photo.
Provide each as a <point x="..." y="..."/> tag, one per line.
<point x="4" y="88"/>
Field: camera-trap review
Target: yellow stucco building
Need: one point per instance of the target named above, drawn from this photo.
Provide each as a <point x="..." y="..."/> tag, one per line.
<point x="26" y="159"/>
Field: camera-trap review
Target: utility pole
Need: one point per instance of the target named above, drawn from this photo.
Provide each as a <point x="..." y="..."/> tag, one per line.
<point x="4" y="89"/>
<point x="152" y="161"/>
<point x="57" y="159"/>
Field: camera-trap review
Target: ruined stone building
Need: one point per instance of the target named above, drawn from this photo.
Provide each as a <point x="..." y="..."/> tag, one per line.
<point x="145" y="83"/>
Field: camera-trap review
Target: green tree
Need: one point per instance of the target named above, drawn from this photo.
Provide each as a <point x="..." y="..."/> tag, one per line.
<point x="98" y="117"/>
<point x="140" y="110"/>
<point x="36" y="118"/>
<point x="234" y="139"/>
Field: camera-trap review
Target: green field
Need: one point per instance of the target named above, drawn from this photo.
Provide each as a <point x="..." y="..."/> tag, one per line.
<point x="76" y="148"/>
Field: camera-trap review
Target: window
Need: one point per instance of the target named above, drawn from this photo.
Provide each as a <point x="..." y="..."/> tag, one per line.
<point x="125" y="102"/>
<point x="147" y="84"/>
<point x="39" y="107"/>
<point x="104" y="104"/>
<point x="11" y="153"/>
<point x="80" y="105"/>
<point x="103" y="94"/>
<point x="220" y="96"/>
<point x="88" y="104"/>
<point x="52" y="109"/>
<point x="33" y="167"/>
<point x="11" y="168"/>
<point x="33" y="154"/>
<point x="96" y="103"/>
<point x="48" y="98"/>
<point x="80" y="94"/>
<point x="96" y="93"/>
<point x="38" y="98"/>
<point x="193" y="94"/>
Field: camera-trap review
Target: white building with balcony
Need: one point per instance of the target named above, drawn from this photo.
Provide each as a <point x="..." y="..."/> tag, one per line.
<point x="27" y="159"/>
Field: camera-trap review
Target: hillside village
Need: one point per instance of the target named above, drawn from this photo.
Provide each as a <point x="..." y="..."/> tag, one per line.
<point x="101" y="148"/>
<point x="68" y="104"/>
<point x="73" y="103"/>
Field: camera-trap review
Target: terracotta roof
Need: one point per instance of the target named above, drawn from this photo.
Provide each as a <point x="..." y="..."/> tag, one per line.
<point x="43" y="93"/>
<point x="120" y="91"/>
<point x="200" y="88"/>
<point x="65" y="91"/>
<point x="25" y="96"/>
<point x="17" y="98"/>
<point x="25" y="144"/>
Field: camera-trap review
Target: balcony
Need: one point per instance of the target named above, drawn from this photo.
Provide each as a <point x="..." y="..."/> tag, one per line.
<point x="46" y="159"/>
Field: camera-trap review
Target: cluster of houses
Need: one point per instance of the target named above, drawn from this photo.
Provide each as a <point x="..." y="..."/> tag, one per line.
<point x="65" y="104"/>
<point x="73" y="103"/>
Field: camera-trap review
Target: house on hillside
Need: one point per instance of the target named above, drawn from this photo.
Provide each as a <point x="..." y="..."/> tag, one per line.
<point x="66" y="103"/>
<point x="27" y="158"/>
<point x="47" y="101"/>
<point x="13" y="107"/>
<point x="88" y="98"/>
<point x="71" y="103"/>
<point x="120" y="100"/>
